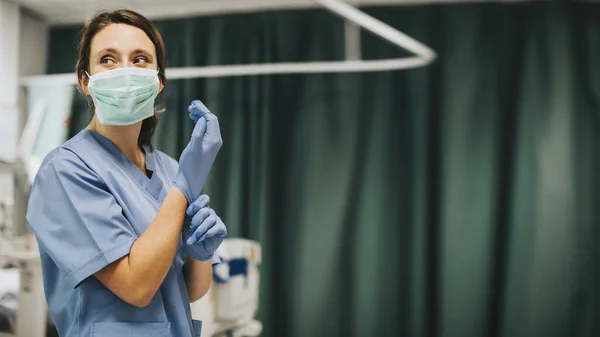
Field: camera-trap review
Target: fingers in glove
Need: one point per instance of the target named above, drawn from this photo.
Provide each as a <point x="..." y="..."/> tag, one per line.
<point x="218" y="230"/>
<point x="199" y="218"/>
<point x="199" y="130"/>
<point x="213" y="131"/>
<point x="200" y="232"/>
<point x="201" y="202"/>
<point x="197" y="109"/>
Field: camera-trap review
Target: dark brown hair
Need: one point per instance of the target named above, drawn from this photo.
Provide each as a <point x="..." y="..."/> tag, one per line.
<point x="99" y="22"/>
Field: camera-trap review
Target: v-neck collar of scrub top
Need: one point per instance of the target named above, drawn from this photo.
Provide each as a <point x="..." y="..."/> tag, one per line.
<point x="152" y="185"/>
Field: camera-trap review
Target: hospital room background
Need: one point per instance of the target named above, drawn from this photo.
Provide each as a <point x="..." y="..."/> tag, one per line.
<point x="455" y="198"/>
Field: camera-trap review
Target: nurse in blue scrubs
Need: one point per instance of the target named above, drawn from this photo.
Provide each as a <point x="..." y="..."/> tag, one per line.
<point x="127" y="241"/>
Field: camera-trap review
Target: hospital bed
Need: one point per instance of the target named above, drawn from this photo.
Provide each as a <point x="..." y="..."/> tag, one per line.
<point x="230" y="306"/>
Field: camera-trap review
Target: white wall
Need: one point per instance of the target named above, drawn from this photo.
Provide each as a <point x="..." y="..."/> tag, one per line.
<point x="9" y="59"/>
<point x="9" y="93"/>
<point x="33" y="44"/>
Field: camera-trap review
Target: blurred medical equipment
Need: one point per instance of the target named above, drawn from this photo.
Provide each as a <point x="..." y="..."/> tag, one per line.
<point x="230" y="306"/>
<point x="28" y="314"/>
<point x="23" y="303"/>
<point x="353" y="63"/>
<point x="8" y="298"/>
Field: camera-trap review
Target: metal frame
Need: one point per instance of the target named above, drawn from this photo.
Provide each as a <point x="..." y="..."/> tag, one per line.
<point x="423" y="55"/>
<point x="191" y="8"/>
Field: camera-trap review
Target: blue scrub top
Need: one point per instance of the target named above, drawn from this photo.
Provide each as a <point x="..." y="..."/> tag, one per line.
<point x="88" y="204"/>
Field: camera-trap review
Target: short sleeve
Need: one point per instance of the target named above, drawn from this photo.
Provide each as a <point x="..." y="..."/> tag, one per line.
<point x="74" y="218"/>
<point x="216" y="260"/>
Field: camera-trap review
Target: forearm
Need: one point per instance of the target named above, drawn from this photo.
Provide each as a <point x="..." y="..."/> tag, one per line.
<point x="136" y="277"/>
<point x="153" y="252"/>
<point x="198" y="277"/>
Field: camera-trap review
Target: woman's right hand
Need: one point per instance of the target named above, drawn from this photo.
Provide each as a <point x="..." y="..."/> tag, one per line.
<point x="203" y="230"/>
<point x="199" y="155"/>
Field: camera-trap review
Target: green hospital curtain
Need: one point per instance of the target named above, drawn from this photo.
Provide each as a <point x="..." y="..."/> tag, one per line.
<point x="453" y="200"/>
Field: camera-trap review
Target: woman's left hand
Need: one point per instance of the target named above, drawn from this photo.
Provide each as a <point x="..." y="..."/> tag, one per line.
<point x="203" y="230"/>
<point x="198" y="157"/>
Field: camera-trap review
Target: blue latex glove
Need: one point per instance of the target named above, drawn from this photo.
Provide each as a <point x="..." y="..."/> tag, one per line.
<point x="203" y="231"/>
<point x="200" y="153"/>
<point x="197" y="109"/>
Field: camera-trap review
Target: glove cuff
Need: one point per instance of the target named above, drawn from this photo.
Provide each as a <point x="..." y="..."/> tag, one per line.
<point x="183" y="191"/>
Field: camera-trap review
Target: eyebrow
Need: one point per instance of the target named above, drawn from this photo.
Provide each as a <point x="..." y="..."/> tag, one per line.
<point x="143" y="51"/>
<point x="108" y="50"/>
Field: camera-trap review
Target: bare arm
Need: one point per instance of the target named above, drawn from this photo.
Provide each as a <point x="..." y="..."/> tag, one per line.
<point x="198" y="277"/>
<point x="136" y="277"/>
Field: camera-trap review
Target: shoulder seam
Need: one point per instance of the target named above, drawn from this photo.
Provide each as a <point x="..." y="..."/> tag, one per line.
<point x="82" y="162"/>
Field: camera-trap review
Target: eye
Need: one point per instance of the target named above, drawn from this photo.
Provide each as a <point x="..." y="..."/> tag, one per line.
<point x="140" y="60"/>
<point x="107" y="60"/>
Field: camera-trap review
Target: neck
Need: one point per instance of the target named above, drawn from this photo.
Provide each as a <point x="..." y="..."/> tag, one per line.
<point x="124" y="137"/>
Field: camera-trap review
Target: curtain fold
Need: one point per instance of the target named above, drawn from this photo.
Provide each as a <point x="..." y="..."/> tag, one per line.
<point x="457" y="199"/>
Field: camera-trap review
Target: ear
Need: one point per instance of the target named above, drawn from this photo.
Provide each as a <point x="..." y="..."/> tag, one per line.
<point x="83" y="83"/>
<point x="160" y="85"/>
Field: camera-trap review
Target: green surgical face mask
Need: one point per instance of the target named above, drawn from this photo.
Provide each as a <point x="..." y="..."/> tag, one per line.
<point x="124" y="96"/>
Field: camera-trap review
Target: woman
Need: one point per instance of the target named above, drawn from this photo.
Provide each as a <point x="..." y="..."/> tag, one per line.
<point x="126" y="239"/>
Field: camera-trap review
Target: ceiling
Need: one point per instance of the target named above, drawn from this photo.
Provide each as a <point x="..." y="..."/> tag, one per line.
<point x="58" y="12"/>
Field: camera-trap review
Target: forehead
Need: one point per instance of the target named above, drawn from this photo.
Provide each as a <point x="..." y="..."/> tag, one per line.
<point x="121" y="37"/>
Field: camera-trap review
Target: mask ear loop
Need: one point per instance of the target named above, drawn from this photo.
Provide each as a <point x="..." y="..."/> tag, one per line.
<point x="88" y="90"/>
